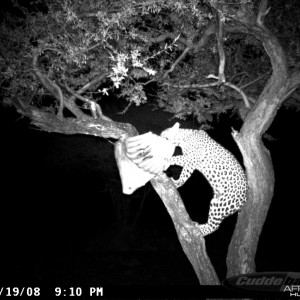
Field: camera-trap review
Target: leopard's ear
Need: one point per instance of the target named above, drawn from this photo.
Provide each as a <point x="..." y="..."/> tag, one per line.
<point x="176" y="126"/>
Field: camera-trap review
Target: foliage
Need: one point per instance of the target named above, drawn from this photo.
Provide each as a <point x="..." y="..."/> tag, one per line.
<point x="134" y="43"/>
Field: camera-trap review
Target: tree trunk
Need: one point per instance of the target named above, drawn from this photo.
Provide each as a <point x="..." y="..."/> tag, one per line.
<point x="242" y="249"/>
<point x="257" y="159"/>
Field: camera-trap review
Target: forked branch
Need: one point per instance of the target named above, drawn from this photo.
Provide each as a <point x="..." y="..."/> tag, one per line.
<point x="94" y="107"/>
<point x="50" y="85"/>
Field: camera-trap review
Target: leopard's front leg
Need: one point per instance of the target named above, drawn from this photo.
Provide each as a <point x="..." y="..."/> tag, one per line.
<point x="187" y="169"/>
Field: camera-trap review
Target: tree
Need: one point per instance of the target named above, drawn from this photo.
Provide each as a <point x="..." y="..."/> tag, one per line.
<point x="132" y="49"/>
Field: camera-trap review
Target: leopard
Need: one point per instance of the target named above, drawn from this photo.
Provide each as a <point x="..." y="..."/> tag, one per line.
<point x="218" y="165"/>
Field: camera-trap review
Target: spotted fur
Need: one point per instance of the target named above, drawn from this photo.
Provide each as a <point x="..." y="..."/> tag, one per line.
<point x="218" y="165"/>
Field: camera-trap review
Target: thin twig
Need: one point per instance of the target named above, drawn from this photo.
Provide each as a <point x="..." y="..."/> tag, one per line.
<point x="255" y="80"/>
<point x="182" y="55"/>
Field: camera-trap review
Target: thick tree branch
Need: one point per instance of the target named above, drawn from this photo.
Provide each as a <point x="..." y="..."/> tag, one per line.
<point x="191" y="239"/>
<point x="85" y="125"/>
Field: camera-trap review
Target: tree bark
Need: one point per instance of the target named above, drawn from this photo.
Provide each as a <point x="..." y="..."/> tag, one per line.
<point x="190" y="237"/>
<point x="242" y="249"/>
<point x="257" y="159"/>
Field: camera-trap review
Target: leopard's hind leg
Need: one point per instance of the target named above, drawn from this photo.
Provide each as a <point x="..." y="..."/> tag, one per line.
<point x="217" y="213"/>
